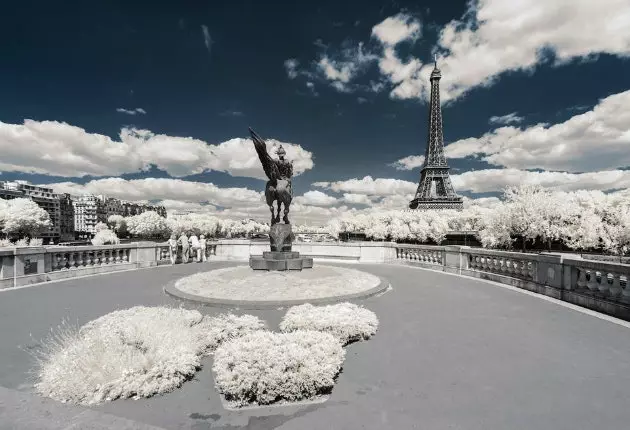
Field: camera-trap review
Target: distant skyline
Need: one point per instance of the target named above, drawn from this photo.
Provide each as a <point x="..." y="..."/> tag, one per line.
<point x="153" y="103"/>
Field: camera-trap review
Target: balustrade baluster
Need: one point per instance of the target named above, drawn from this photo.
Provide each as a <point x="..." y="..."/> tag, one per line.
<point x="581" y="282"/>
<point x="603" y="282"/>
<point x="591" y="284"/>
<point x="71" y="261"/>
<point x="615" y="286"/>
<point x="126" y="256"/>
<point x="508" y="267"/>
<point x="57" y="261"/>
<point x="117" y="255"/>
<point x="625" y="288"/>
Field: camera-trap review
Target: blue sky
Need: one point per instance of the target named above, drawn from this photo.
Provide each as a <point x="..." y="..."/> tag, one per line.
<point x="152" y="102"/>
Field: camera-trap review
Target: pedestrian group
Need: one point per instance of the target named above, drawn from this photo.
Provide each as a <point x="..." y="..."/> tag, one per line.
<point x="187" y="248"/>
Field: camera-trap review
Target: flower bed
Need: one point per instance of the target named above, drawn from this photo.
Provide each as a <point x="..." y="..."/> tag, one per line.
<point x="137" y="352"/>
<point x="346" y="321"/>
<point x="264" y="367"/>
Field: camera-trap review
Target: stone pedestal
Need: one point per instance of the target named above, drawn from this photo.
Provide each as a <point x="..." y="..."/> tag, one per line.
<point x="280" y="237"/>
<point x="280" y="257"/>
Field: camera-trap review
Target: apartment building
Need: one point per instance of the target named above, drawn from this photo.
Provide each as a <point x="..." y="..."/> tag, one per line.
<point x="45" y="197"/>
<point x="66" y="219"/>
<point x="85" y="214"/>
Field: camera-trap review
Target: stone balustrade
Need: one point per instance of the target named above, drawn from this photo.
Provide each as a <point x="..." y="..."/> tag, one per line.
<point x="427" y="254"/>
<point x="597" y="285"/>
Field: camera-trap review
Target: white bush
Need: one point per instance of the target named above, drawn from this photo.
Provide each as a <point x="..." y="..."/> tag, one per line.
<point x="105" y="237"/>
<point x="36" y="242"/>
<point x="137" y="352"/>
<point x="265" y="367"/>
<point x="346" y="321"/>
<point x="226" y="327"/>
<point x="21" y="242"/>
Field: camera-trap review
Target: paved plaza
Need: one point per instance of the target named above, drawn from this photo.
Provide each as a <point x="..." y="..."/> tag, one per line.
<point x="450" y="353"/>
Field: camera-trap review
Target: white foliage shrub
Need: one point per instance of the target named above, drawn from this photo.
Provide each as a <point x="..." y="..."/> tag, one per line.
<point x="100" y="226"/>
<point x="5" y="243"/>
<point x="105" y="237"/>
<point x="38" y="241"/>
<point x="265" y="367"/>
<point x="226" y="327"/>
<point x="148" y="225"/>
<point x="346" y="321"/>
<point x="137" y="352"/>
<point x="21" y="242"/>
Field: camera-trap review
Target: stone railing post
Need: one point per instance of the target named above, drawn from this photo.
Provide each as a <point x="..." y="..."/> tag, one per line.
<point x="455" y="259"/>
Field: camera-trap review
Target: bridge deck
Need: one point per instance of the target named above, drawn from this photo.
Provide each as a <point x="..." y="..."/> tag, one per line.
<point x="451" y="352"/>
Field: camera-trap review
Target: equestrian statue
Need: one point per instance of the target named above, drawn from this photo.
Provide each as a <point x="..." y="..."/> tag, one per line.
<point x="279" y="172"/>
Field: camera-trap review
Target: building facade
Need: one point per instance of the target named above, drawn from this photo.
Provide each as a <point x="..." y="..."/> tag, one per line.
<point x="66" y="219"/>
<point x="45" y="198"/>
<point x="85" y="214"/>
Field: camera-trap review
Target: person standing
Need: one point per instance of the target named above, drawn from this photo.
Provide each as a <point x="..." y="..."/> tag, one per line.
<point x="172" y="248"/>
<point x="194" y="245"/>
<point x="202" y="245"/>
<point x="183" y="240"/>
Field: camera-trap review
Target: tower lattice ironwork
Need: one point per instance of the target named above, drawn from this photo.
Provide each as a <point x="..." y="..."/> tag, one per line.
<point x="435" y="190"/>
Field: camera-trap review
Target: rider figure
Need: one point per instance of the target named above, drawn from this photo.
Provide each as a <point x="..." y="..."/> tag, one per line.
<point x="285" y="168"/>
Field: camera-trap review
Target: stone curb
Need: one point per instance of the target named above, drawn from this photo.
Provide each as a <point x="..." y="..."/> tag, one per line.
<point x="171" y="290"/>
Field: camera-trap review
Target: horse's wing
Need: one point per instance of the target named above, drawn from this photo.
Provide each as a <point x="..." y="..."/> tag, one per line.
<point x="269" y="166"/>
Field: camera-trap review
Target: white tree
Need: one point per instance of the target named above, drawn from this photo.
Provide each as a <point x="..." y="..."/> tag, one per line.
<point x="105" y="237"/>
<point x="24" y="218"/>
<point x="148" y="225"/>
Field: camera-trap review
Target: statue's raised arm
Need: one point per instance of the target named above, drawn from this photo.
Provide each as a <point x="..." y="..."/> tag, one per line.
<point x="269" y="166"/>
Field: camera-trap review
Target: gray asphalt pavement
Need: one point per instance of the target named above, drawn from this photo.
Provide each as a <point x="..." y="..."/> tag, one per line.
<point x="450" y="353"/>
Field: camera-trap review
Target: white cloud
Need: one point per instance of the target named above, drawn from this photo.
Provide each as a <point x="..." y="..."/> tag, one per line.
<point x="231" y="113"/>
<point x="494" y="37"/>
<point x="57" y="148"/>
<point x="380" y="187"/>
<point x="491" y="180"/>
<point x="511" y="118"/>
<point x="316" y="198"/>
<point x="207" y="39"/>
<point x="131" y="111"/>
<point x="339" y="70"/>
<point x="595" y="140"/>
<point x="334" y="71"/>
<point x="396" y="29"/>
<point x="357" y="199"/>
<point x="163" y="189"/>
<point x="290" y="66"/>
<point x="408" y="163"/>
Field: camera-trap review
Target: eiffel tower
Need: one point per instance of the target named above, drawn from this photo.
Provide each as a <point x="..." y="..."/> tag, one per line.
<point x="435" y="190"/>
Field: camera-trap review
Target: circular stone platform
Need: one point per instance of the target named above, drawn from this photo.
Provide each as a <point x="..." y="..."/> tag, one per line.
<point x="243" y="287"/>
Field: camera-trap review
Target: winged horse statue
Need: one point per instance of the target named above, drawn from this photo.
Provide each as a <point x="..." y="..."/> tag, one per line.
<point x="279" y="172"/>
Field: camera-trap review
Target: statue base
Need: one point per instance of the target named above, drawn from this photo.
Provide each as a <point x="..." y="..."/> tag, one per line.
<point x="280" y="257"/>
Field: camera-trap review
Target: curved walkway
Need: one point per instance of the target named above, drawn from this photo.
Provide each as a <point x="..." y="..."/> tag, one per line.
<point x="450" y="353"/>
